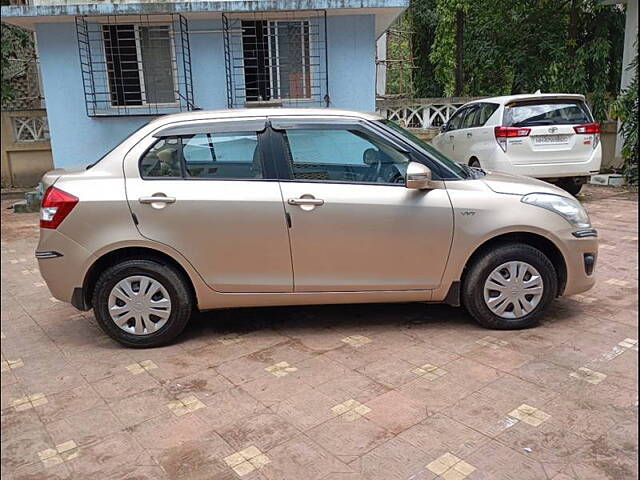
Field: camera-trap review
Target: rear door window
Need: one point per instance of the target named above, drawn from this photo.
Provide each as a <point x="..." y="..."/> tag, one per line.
<point x="546" y="112"/>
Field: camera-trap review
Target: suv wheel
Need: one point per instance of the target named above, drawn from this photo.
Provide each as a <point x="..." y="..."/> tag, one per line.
<point x="142" y="303"/>
<point x="510" y="288"/>
<point x="571" y="185"/>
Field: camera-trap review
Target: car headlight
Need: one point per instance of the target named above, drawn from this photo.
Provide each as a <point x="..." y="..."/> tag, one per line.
<point x="568" y="208"/>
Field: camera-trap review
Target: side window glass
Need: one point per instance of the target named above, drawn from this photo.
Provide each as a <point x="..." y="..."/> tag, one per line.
<point x="456" y="120"/>
<point x="222" y="155"/>
<point x="485" y="113"/>
<point x="162" y="159"/>
<point x="336" y="155"/>
<point x="470" y="118"/>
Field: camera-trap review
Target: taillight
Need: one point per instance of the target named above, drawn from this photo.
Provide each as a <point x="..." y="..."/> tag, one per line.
<point x="510" y="132"/>
<point x="55" y="207"/>
<point x="588" y="128"/>
<point x="502" y="133"/>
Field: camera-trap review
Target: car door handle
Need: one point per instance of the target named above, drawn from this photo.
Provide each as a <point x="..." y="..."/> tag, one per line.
<point x="158" y="199"/>
<point x="469" y="135"/>
<point x="305" y="201"/>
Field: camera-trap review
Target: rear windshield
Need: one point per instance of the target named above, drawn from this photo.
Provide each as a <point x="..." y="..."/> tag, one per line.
<point x="546" y="112"/>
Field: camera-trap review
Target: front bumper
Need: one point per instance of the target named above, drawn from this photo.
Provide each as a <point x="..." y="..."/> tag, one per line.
<point x="581" y="254"/>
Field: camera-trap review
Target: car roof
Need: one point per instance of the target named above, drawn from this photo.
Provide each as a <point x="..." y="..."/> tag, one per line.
<point x="239" y="113"/>
<point x="506" y="99"/>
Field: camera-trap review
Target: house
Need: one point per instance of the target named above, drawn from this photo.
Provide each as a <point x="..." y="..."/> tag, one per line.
<point x="108" y="68"/>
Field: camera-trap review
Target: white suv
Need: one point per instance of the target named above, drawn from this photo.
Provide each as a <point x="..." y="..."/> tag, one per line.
<point x="548" y="136"/>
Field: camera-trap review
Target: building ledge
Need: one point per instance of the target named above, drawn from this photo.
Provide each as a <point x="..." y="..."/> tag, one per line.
<point x="71" y="10"/>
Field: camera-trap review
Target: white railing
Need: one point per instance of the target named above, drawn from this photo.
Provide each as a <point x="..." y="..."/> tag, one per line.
<point x="420" y="113"/>
<point x="32" y="128"/>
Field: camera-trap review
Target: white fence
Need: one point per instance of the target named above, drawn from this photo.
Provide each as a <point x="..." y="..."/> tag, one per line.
<point x="420" y="113"/>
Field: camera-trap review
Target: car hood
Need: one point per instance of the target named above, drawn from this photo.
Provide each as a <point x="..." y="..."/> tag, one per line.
<point x="519" y="185"/>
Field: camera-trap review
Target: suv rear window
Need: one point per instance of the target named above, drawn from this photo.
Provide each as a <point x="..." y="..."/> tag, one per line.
<point x="546" y="112"/>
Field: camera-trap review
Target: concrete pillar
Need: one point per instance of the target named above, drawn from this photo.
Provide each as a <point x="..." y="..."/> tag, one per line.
<point x="630" y="35"/>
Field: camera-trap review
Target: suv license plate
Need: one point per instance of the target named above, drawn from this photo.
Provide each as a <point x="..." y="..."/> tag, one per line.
<point x="541" y="139"/>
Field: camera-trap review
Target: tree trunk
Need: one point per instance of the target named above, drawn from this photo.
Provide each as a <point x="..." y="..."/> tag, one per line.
<point x="572" y="34"/>
<point x="459" y="53"/>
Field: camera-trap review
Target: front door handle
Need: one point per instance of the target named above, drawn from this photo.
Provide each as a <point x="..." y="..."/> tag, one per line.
<point x="316" y="202"/>
<point x="157" y="199"/>
<point x="469" y="135"/>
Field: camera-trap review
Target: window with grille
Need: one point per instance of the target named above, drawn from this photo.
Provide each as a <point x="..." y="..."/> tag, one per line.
<point x="279" y="61"/>
<point x="134" y="68"/>
<point x="276" y="59"/>
<point x="140" y="64"/>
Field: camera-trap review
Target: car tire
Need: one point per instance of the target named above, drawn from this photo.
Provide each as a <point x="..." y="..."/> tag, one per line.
<point x="170" y="284"/>
<point x="475" y="163"/>
<point x="571" y="185"/>
<point x="476" y="289"/>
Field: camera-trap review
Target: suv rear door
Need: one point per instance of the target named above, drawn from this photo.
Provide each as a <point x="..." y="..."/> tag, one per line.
<point x="552" y="137"/>
<point x="208" y="190"/>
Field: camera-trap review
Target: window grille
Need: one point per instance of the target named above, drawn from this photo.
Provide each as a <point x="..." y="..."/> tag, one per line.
<point x="276" y="59"/>
<point x="135" y="65"/>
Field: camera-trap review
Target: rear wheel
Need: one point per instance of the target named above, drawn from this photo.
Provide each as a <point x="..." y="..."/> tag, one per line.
<point x="510" y="287"/>
<point x="573" y="185"/>
<point x="142" y="303"/>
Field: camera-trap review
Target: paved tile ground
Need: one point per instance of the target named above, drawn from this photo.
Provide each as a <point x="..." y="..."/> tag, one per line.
<point x="334" y="393"/>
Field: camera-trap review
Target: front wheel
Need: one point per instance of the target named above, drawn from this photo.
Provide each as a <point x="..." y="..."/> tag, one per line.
<point x="509" y="287"/>
<point x="142" y="303"/>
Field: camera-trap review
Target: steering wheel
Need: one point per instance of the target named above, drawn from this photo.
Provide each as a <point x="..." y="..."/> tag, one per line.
<point x="371" y="157"/>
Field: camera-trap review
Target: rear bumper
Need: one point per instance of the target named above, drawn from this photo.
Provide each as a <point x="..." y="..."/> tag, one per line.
<point x="58" y="259"/>
<point x="501" y="163"/>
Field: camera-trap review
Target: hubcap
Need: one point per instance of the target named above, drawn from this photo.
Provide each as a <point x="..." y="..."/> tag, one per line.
<point x="513" y="290"/>
<point x="139" y="305"/>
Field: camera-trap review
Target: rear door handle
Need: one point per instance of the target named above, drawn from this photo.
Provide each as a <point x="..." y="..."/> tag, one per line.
<point x="305" y="201"/>
<point x="469" y="135"/>
<point x="158" y="199"/>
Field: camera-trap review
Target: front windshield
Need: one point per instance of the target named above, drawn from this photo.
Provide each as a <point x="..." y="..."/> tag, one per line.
<point x="450" y="164"/>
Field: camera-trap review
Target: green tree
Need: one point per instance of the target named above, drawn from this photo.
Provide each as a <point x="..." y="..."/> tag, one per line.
<point x="13" y="41"/>
<point x="518" y="46"/>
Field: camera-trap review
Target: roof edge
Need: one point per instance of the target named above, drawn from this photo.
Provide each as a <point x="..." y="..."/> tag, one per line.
<point x="10" y="12"/>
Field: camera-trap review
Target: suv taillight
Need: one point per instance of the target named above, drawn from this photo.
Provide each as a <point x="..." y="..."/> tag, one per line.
<point x="55" y="207"/>
<point x="502" y="133"/>
<point x="588" y="128"/>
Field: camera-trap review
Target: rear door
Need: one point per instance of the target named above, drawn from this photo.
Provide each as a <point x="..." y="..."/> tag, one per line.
<point x="552" y="137"/>
<point x="209" y="191"/>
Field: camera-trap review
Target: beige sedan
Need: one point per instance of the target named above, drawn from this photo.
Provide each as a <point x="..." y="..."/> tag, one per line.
<point x="238" y="208"/>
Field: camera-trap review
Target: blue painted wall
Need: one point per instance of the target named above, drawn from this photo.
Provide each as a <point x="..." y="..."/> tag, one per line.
<point x="78" y="139"/>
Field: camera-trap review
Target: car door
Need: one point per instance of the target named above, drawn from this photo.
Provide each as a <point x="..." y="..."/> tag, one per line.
<point x="451" y="134"/>
<point x="208" y="191"/>
<point x="482" y="137"/>
<point x="463" y="143"/>
<point x="354" y="225"/>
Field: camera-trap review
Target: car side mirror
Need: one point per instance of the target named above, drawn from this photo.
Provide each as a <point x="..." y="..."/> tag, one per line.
<point x="443" y="128"/>
<point x="418" y="176"/>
